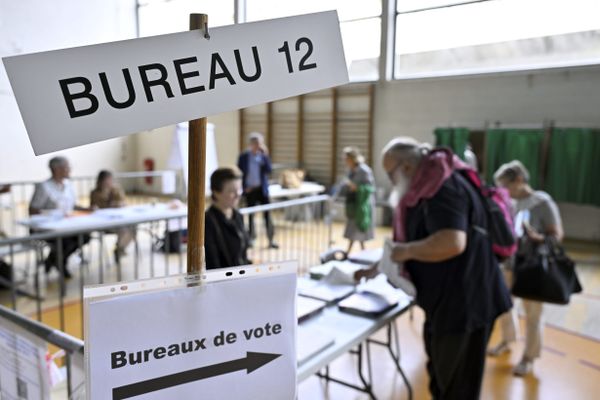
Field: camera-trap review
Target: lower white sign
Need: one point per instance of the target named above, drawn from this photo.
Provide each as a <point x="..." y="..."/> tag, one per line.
<point x="229" y="339"/>
<point x="23" y="370"/>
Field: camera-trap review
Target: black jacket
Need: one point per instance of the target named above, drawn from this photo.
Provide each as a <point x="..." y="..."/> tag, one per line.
<point x="226" y="242"/>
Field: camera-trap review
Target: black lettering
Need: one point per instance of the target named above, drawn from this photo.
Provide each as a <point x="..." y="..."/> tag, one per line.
<point x="276" y="329"/>
<point x="138" y="358"/>
<point x="161" y="81"/>
<point x="240" y="66"/>
<point x="219" y="340"/>
<point x="199" y="344"/>
<point x="173" y="350"/>
<point x="182" y="76"/>
<point x="231" y="338"/>
<point x="85" y="94"/>
<point x="259" y="332"/>
<point x="159" y="352"/>
<point x="108" y="93"/>
<point x="216" y="59"/>
<point x="118" y="359"/>
<point x="187" y="347"/>
<point x="248" y="334"/>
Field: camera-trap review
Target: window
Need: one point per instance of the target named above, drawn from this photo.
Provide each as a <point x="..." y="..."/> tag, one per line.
<point x="360" y="24"/>
<point x="444" y="37"/>
<point x="158" y="17"/>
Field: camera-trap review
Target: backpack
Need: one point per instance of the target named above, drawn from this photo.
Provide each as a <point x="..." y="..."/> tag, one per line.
<point x="498" y="207"/>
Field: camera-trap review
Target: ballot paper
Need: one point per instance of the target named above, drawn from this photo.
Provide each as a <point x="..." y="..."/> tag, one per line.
<point x="307" y="307"/>
<point x="324" y="291"/>
<point x="23" y="369"/>
<point x="394" y="271"/>
<point x="344" y="267"/>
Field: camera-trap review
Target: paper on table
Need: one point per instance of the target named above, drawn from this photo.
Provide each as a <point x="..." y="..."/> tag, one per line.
<point x="394" y="271"/>
<point x="339" y="277"/>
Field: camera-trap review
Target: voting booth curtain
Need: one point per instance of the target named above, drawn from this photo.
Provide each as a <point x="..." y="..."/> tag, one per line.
<point x="455" y="138"/>
<point x="504" y="145"/>
<point x="574" y="162"/>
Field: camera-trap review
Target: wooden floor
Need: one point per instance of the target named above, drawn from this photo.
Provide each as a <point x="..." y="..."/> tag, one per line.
<point x="568" y="369"/>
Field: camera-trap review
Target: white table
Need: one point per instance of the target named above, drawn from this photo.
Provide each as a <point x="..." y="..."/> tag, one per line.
<point x="104" y="218"/>
<point x="350" y="332"/>
<point x="305" y="189"/>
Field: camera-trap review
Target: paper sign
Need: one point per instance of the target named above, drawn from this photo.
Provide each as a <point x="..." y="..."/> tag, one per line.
<point x="179" y="152"/>
<point x="230" y="339"/>
<point x="23" y="370"/>
<point x="86" y="94"/>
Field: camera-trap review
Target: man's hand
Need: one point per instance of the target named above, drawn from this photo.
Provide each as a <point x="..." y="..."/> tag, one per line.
<point x="368" y="273"/>
<point x="401" y="252"/>
<point x="352" y="186"/>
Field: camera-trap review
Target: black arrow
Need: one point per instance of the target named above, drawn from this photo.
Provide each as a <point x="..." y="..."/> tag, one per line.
<point x="250" y="363"/>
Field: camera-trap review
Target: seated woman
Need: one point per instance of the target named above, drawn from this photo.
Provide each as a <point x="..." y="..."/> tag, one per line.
<point x="226" y="241"/>
<point x="108" y="195"/>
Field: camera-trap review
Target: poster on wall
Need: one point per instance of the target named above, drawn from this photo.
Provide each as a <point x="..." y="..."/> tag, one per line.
<point x="178" y="159"/>
<point x="23" y="367"/>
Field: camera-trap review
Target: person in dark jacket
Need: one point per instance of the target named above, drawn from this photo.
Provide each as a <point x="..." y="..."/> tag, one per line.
<point x="255" y="165"/>
<point x="439" y="236"/>
<point x="226" y="241"/>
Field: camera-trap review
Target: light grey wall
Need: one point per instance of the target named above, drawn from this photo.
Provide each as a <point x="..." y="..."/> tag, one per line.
<point x="416" y="107"/>
<point x="28" y="26"/>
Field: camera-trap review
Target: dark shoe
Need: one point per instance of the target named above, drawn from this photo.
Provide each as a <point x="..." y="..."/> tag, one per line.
<point x="273" y="245"/>
<point x="48" y="264"/>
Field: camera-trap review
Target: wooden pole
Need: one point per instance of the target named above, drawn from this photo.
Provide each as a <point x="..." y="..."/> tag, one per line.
<point x="196" y="262"/>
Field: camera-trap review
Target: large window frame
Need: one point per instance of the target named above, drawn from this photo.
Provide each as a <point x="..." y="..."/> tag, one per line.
<point x="386" y="70"/>
<point x="469" y="71"/>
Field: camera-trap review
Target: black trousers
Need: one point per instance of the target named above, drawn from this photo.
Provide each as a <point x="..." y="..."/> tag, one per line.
<point x="256" y="197"/>
<point x="456" y="363"/>
<point x="69" y="245"/>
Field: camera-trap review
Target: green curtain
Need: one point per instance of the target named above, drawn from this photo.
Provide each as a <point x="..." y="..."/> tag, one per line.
<point x="574" y="161"/>
<point x="504" y="145"/>
<point x="455" y="138"/>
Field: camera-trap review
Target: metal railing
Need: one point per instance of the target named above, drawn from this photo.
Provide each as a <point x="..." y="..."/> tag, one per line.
<point x="14" y="204"/>
<point x="302" y="231"/>
<point x="72" y="346"/>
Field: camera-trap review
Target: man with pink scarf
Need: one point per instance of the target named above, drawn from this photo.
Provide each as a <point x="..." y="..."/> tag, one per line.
<point x="440" y="235"/>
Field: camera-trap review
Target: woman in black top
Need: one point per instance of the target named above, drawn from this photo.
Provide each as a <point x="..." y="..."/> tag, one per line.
<point x="226" y="238"/>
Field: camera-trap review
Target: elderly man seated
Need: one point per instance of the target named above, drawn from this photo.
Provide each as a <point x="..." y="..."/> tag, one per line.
<point x="57" y="195"/>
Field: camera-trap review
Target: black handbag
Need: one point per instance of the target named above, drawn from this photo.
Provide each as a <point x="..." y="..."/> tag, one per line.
<point x="543" y="272"/>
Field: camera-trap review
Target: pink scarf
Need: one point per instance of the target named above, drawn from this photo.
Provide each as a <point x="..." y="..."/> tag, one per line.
<point x="433" y="171"/>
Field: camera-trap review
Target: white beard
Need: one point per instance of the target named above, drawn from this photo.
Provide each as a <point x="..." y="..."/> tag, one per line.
<point x="399" y="190"/>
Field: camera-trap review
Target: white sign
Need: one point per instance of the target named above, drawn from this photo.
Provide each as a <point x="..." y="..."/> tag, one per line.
<point x="229" y="339"/>
<point x="86" y="94"/>
<point x="179" y="152"/>
<point x="23" y="370"/>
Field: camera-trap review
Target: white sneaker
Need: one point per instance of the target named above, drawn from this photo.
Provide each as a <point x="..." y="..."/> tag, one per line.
<point x="524" y="367"/>
<point x="499" y="349"/>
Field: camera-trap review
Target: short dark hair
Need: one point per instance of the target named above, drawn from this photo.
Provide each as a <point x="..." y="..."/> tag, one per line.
<point x="57" y="161"/>
<point x="221" y="176"/>
<point x="102" y="175"/>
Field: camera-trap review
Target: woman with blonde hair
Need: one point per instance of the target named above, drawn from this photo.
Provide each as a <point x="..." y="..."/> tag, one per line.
<point x="358" y="189"/>
<point x="537" y="217"/>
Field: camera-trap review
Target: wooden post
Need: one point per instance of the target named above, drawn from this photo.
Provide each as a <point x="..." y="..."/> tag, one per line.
<point x="196" y="262"/>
